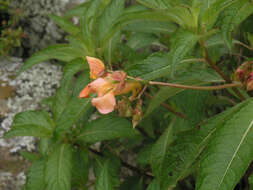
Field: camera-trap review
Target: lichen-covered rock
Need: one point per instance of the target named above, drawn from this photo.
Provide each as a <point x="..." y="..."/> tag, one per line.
<point x="40" y="30"/>
<point x="30" y="87"/>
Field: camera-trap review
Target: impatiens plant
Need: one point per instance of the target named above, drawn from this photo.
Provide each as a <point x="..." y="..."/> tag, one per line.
<point x="155" y="94"/>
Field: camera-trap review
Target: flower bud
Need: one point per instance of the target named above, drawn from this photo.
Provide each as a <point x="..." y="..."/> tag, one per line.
<point x="124" y="108"/>
<point x="137" y="113"/>
<point x="250" y="82"/>
<point x="239" y="75"/>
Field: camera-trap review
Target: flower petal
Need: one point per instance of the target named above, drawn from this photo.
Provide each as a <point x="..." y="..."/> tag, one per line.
<point x="119" y="76"/>
<point x="97" y="67"/>
<point x="85" y="92"/>
<point x="101" y="86"/>
<point x="134" y="87"/>
<point x="105" y="104"/>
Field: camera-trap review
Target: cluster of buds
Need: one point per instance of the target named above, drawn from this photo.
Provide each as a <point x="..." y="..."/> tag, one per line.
<point x="244" y="74"/>
<point x="107" y="85"/>
<point x="125" y="109"/>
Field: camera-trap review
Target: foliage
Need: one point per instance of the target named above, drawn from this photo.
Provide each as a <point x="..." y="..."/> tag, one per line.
<point x="190" y="71"/>
<point x="10" y="33"/>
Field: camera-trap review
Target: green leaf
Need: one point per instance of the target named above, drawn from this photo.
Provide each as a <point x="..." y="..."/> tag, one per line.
<point x="137" y="16"/>
<point x="250" y="179"/>
<point x="107" y="128"/>
<point x="82" y="79"/>
<point x="78" y="10"/>
<point x="154" y="185"/>
<point x="31" y="123"/>
<point x="151" y="27"/>
<point x="104" y="179"/>
<point x="114" y="167"/>
<point x="62" y="52"/>
<point x="63" y="94"/>
<point x="155" y="4"/>
<point x="109" y="16"/>
<point x="58" y="168"/>
<point x="154" y="66"/>
<point x="143" y="156"/>
<point x="193" y="104"/>
<point x="159" y="150"/>
<point x="95" y="9"/>
<point x="233" y="16"/>
<point x="65" y="24"/>
<point x="133" y="183"/>
<point x="182" y="42"/>
<point x="212" y="11"/>
<point x="229" y="153"/>
<point x="141" y="40"/>
<point x="36" y="176"/>
<point x="30" y="156"/>
<point x="183" y="152"/>
<point x="80" y="169"/>
<point x="45" y="145"/>
<point x="75" y="108"/>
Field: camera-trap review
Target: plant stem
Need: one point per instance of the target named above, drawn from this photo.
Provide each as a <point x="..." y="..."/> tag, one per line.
<point x="168" y="107"/>
<point x="125" y="164"/>
<point x="219" y="87"/>
<point x="219" y="71"/>
<point x="244" y="45"/>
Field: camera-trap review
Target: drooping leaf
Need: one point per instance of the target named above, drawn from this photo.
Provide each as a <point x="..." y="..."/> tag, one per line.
<point x="31" y="123"/>
<point x="58" y="168"/>
<point x="159" y="150"/>
<point x="36" y="176"/>
<point x="233" y="16"/>
<point x="107" y="128"/>
<point x="187" y="147"/>
<point x="229" y="153"/>
<point x="65" y="24"/>
<point x="62" y="52"/>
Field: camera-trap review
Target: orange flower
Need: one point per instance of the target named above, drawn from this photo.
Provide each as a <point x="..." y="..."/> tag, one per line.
<point x="107" y="86"/>
<point x="97" y="67"/>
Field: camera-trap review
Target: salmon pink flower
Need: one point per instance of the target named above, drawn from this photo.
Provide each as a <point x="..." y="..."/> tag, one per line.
<point x="97" y="67"/>
<point x="107" y="86"/>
